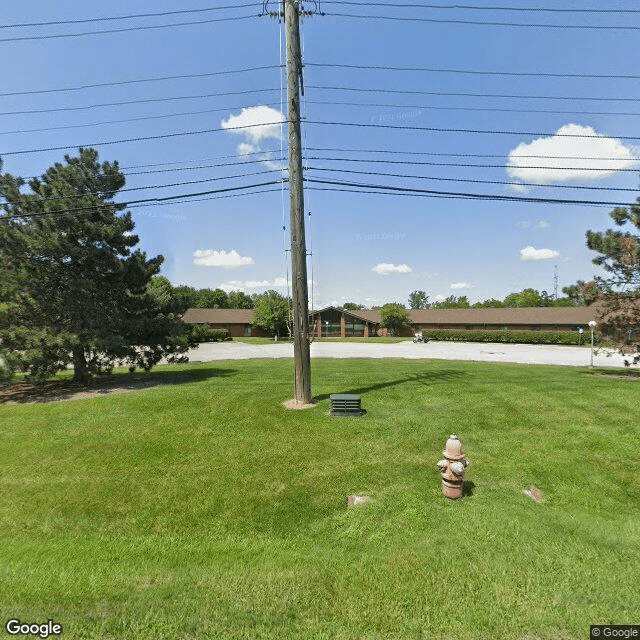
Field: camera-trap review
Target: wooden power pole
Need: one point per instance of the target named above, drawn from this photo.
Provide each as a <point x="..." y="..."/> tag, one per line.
<point x="301" y="351"/>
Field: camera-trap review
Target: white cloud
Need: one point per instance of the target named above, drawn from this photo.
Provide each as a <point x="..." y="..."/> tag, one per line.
<point x="255" y="123"/>
<point x="439" y="298"/>
<point x="529" y="253"/>
<point x="560" y="158"/>
<point x="245" y="149"/>
<point x="224" y="259"/>
<point x="461" y="285"/>
<point x="527" y="224"/>
<point x="384" y="268"/>
<point x="243" y="285"/>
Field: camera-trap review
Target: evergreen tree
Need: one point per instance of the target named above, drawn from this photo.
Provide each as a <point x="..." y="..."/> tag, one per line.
<point x="79" y="288"/>
<point x="618" y="294"/>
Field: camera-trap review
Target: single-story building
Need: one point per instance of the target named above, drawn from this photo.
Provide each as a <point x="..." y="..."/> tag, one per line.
<point x="336" y="322"/>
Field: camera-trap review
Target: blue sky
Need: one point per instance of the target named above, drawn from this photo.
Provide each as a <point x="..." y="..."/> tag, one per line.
<point x="434" y="108"/>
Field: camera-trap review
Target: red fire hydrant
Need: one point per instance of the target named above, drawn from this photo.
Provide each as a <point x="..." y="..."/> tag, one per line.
<point x="452" y="468"/>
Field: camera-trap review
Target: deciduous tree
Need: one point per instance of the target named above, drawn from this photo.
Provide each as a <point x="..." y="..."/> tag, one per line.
<point x="271" y="312"/>
<point x="394" y="317"/>
<point x="418" y="300"/>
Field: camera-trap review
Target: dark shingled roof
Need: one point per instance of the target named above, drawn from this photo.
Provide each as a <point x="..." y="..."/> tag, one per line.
<point x="508" y="315"/>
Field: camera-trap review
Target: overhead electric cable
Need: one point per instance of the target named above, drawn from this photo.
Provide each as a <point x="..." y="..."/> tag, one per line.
<point x="162" y="136"/>
<point x="138" y="119"/>
<point x="473" y="180"/>
<point x="471" y="95"/>
<point x="460" y="155"/>
<point x="462" y="130"/>
<point x="481" y="109"/>
<point x="45" y="199"/>
<point x="156" y="14"/>
<point x="139" y="101"/>
<point x="493" y="166"/>
<point x="487" y="23"/>
<point x="118" y="83"/>
<point x="133" y="203"/>
<point x="173" y="25"/>
<point x="474" y="7"/>
<point x="479" y="72"/>
<point x="175" y="134"/>
<point x="474" y="196"/>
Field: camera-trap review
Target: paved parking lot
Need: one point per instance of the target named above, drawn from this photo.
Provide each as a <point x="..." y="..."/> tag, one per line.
<point x="474" y="351"/>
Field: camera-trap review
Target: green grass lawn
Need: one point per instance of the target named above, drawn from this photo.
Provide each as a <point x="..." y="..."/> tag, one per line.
<point x="204" y="509"/>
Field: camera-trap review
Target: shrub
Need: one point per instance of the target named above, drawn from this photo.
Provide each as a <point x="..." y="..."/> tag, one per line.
<point x="202" y="333"/>
<point x="512" y="337"/>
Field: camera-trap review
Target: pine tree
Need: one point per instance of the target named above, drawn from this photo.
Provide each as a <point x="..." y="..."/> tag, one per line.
<point x="617" y="296"/>
<point x="79" y="292"/>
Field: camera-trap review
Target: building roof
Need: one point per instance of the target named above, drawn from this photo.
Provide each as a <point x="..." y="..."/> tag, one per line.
<point x="505" y="315"/>
<point x="494" y="316"/>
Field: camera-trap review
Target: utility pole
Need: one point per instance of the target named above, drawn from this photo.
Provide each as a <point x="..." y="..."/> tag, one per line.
<point x="301" y="351"/>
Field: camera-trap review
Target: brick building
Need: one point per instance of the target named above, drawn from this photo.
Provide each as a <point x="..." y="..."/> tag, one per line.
<point x="336" y="322"/>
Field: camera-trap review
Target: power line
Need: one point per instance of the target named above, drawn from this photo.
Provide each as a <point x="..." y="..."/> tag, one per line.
<point x="163" y="136"/>
<point x="125" y="17"/>
<point x="461" y="130"/>
<point x="495" y="166"/>
<point x="472" y="180"/>
<point x="457" y="155"/>
<point x="481" y="109"/>
<point x="487" y="23"/>
<point x="532" y="74"/>
<point x="134" y="203"/>
<point x="44" y="199"/>
<point x="482" y="8"/>
<point x="470" y="94"/>
<point x="467" y="195"/>
<point x="317" y="122"/>
<point x="119" y="83"/>
<point x="139" y="101"/>
<point x="173" y="25"/>
<point x="138" y="119"/>
<point x="262" y="156"/>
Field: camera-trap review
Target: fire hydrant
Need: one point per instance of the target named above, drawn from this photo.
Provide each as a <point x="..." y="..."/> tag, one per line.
<point x="452" y="468"/>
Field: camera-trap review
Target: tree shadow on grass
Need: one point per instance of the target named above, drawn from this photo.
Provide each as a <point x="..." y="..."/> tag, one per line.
<point x="426" y="379"/>
<point x="22" y="392"/>
<point x="627" y="374"/>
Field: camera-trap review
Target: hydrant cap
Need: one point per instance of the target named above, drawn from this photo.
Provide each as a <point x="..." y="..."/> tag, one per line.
<point x="453" y="446"/>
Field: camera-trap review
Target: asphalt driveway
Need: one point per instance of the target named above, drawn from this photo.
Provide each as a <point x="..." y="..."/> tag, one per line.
<point x="474" y="351"/>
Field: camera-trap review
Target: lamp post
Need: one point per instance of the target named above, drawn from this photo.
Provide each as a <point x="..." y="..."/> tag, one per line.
<point x="592" y="326"/>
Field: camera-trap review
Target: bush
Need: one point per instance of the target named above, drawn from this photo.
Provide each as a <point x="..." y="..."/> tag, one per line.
<point x="202" y="333"/>
<point x="512" y="337"/>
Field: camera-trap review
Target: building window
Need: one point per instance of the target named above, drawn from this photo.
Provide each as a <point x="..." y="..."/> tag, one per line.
<point x="504" y="327"/>
<point x="247" y="331"/>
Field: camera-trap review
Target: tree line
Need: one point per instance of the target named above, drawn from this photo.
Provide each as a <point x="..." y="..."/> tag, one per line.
<point x="75" y="289"/>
